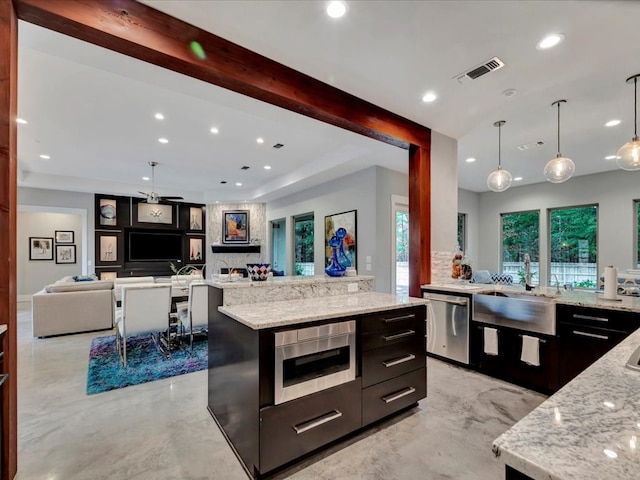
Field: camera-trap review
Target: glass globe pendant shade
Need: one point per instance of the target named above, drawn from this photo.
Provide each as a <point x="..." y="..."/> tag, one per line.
<point x="559" y="169"/>
<point x="499" y="180"/>
<point x="629" y="155"/>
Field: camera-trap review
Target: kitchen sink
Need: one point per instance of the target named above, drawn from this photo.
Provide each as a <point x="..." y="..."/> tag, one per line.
<point x="533" y="313"/>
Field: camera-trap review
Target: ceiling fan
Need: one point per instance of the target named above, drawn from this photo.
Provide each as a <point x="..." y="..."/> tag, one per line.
<point x="153" y="197"/>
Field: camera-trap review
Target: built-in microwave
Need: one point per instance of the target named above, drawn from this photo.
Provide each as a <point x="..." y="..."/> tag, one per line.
<point x="311" y="359"/>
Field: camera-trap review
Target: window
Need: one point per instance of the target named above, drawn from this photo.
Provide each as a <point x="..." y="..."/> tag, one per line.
<point x="573" y="246"/>
<point x="462" y="231"/>
<point x="303" y="244"/>
<point x="521" y="235"/>
<point x="278" y="245"/>
<point x="402" y="251"/>
<point x="636" y="205"/>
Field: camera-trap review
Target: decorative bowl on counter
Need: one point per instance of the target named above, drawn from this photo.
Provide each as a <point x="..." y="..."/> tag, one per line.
<point x="259" y="271"/>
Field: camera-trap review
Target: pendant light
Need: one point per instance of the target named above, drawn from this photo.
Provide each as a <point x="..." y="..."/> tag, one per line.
<point x="560" y="168"/>
<point x="499" y="180"/>
<point x="629" y="153"/>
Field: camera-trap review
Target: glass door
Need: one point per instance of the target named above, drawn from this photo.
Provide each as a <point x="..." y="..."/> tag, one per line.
<point x="278" y="246"/>
<point x="400" y="246"/>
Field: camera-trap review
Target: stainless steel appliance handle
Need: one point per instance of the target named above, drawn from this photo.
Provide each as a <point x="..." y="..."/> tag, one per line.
<point x="408" y="333"/>
<point x="452" y="302"/>
<point x="398" y="395"/>
<point x="316" y="422"/>
<point x="592" y="335"/>
<point x="589" y="317"/>
<point x="399" y="319"/>
<point x="398" y="361"/>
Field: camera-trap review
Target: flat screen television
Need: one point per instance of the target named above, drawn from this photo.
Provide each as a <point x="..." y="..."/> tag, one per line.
<point x="154" y="246"/>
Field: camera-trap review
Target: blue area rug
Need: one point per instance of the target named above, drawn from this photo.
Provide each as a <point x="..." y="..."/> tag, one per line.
<point x="144" y="363"/>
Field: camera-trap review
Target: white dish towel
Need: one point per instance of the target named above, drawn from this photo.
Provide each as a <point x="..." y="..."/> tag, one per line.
<point x="490" y="341"/>
<point x="530" y="350"/>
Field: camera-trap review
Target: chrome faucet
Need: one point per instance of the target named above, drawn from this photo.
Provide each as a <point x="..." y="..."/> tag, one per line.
<point x="557" y="284"/>
<point x="527" y="272"/>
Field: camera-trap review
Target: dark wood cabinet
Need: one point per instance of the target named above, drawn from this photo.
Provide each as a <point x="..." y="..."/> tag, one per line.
<point x="388" y="397"/>
<point x="586" y="334"/>
<point x="508" y="364"/>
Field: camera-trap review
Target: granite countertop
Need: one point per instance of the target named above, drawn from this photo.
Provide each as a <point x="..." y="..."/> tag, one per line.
<point x="292" y="312"/>
<point x="583" y="298"/>
<point x="588" y="430"/>
<point x="286" y="280"/>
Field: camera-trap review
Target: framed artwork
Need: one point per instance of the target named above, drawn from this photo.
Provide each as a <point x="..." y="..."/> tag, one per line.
<point x="195" y="249"/>
<point x="343" y="226"/>
<point x="195" y="218"/>
<point x="40" y="248"/>
<point x="108" y="248"/>
<point x="108" y="275"/>
<point x="108" y="211"/>
<point x="155" y="213"/>
<point x="65" y="254"/>
<point x="235" y="226"/>
<point x="64" y="236"/>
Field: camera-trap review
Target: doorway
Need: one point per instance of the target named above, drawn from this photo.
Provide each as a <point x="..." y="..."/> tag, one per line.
<point x="400" y="245"/>
<point x="279" y="246"/>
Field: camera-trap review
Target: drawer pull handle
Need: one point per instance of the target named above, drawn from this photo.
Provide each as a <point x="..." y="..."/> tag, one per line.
<point x="316" y="422"/>
<point x="592" y="335"/>
<point x="398" y="395"/>
<point x="408" y="333"/>
<point x="399" y="319"/>
<point x="398" y="361"/>
<point x="589" y="317"/>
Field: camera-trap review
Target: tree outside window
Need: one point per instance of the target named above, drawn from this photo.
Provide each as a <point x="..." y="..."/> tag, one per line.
<point x="303" y="244"/>
<point x="520" y="236"/>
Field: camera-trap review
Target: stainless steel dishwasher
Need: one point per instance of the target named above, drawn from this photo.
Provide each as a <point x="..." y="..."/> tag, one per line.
<point x="448" y="326"/>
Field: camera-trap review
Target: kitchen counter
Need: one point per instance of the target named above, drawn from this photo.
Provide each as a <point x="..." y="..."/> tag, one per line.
<point x="581" y="298"/>
<point x="281" y="313"/>
<point x="286" y="280"/>
<point x="588" y="430"/>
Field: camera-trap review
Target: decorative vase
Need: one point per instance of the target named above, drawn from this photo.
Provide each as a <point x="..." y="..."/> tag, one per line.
<point x="335" y="269"/>
<point x="343" y="260"/>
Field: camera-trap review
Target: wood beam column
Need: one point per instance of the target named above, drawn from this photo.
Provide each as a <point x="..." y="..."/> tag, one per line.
<point x="419" y="218"/>
<point x="8" y="208"/>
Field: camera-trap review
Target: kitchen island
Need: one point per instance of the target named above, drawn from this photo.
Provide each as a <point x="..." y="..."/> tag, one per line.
<point x="276" y="400"/>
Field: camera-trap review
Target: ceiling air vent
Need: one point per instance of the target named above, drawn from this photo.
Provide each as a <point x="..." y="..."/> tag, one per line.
<point x="489" y="66"/>
<point x="529" y="146"/>
<point x="245" y="167"/>
<point x="278" y="145"/>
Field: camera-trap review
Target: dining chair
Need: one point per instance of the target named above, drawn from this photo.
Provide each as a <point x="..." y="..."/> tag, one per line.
<point x="144" y="309"/>
<point x="196" y="316"/>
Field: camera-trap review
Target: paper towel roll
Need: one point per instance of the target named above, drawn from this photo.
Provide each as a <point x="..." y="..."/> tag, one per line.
<point x="610" y="282"/>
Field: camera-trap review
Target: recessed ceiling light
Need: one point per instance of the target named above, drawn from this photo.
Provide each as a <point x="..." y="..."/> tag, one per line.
<point x="470" y="160"/>
<point x="517" y="179"/>
<point x="260" y="140"/>
<point x="146" y="179"/>
<point x="610" y="157"/>
<point x="163" y="140"/>
<point x="550" y="41"/>
<point x="612" y="123"/>
<point x="214" y="130"/>
<point x="429" y="97"/>
<point x="267" y="167"/>
<point x="159" y="116"/>
<point x="21" y="120"/>
<point x="238" y="184"/>
<point x="45" y="157"/>
<point x="336" y="9"/>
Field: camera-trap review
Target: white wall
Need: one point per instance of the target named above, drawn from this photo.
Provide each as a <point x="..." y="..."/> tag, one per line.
<point x="367" y="191"/>
<point x="614" y="193"/>
<point x="468" y="204"/>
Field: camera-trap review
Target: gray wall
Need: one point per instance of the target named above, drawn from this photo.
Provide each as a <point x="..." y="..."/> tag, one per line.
<point x="444" y="192"/>
<point x="369" y="192"/>
<point x="614" y="193"/>
<point x="33" y="275"/>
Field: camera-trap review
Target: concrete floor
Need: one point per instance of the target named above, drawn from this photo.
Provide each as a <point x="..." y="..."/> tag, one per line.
<point x="162" y="430"/>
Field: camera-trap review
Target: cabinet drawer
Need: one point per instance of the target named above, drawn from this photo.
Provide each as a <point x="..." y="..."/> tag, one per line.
<point x="388" y="397"/>
<point x="598" y="318"/>
<point x="295" y="428"/>
<point x="387" y="362"/>
<point x="394" y="335"/>
<point x="403" y="318"/>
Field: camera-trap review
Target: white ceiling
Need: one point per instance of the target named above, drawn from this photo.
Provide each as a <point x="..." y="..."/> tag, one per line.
<point x="92" y="110"/>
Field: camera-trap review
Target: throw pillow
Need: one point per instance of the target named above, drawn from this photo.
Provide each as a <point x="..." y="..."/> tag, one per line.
<point x="83" y="278"/>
